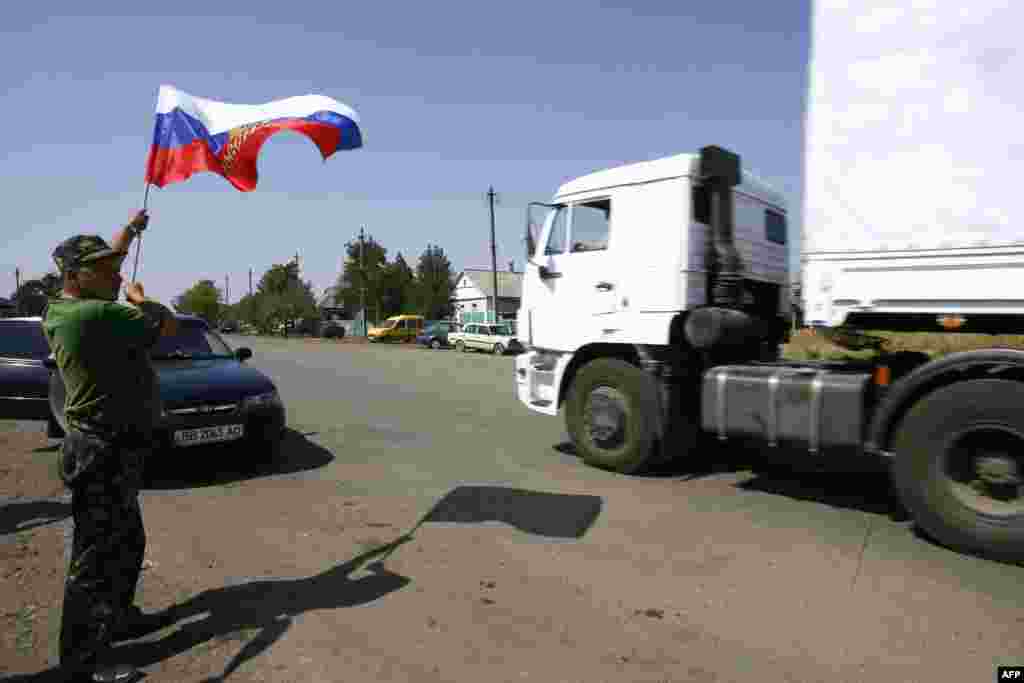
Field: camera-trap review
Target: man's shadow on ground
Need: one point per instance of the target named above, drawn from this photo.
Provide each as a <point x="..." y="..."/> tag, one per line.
<point x="270" y="606"/>
<point x="267" y="605"/>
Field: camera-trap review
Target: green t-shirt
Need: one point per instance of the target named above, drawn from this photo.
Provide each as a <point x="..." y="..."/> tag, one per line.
<point x="102" y="351"/>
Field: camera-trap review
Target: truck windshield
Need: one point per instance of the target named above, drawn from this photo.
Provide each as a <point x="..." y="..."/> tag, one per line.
<point x="537" y="217"/>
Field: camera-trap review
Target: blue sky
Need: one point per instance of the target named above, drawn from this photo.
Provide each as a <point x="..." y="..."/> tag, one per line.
<point x="453" y="97"/>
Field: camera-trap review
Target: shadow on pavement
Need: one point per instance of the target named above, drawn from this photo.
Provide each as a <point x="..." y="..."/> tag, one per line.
<point x="857" y="487"/>
<point x="557" y="515"/>
<point x="21" y="516"/>
<point x="217" y="465"/>
<point x="267" y="606"/>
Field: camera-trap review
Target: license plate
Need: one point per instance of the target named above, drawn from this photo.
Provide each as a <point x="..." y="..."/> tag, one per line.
<point x="202" y="435"/>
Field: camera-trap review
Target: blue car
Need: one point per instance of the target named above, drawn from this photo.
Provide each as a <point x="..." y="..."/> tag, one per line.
<point x="208" y="393"/>
<point x="24" y="378"/>
<point x="435" y="334"/>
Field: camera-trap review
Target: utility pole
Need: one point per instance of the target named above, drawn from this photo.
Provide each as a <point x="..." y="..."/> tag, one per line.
<point x="362" y="279"/>
<point x="250" y="282"/>
<point x="227" y="291"/>
<point x="494" y="259"/>
<point x="17" y="280"/>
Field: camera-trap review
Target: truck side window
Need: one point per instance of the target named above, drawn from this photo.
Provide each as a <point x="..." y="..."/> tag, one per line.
<point x="556" y="241"/>
<point x="590" y="225"/>
<point x="774" y="226"/>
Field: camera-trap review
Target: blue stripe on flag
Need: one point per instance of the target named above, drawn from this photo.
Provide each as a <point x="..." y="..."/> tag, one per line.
<point x="178" y="129"/>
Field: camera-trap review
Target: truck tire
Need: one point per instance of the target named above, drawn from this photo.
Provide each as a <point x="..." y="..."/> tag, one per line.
<point x="612" y="415"/>
<point x="959" y="466"/>
<point x="498" y="350"/>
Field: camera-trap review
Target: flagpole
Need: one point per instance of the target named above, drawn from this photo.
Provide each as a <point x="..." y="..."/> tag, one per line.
<point x="138" y="245"/>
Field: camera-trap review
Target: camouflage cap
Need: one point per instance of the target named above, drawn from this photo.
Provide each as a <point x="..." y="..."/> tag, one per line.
<point x="79" y="250"/>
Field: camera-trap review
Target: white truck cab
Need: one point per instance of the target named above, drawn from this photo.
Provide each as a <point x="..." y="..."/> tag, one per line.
<point x="618" y="254"/>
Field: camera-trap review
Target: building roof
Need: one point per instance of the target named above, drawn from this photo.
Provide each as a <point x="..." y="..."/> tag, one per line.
<point x="510" y="284"/>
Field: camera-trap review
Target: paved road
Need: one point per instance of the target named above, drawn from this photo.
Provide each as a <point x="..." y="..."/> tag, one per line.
<point x="802" y="576"/>
<point x="564" y="573"/>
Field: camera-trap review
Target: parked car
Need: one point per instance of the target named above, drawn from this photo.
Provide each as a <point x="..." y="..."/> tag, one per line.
<point x="24" y="378"/>
<point x="403" y="328"/>
<point x="208" y="394"/>
<point x="331" y="329"/>
<point x="495" y="338"/>
<point x="435" y="334"/>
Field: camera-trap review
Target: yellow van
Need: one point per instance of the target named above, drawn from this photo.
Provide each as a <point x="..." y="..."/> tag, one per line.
<point x="403" y="328"/>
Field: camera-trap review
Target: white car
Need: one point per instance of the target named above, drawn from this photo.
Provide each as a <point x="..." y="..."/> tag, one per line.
<point x="496" y="338"/>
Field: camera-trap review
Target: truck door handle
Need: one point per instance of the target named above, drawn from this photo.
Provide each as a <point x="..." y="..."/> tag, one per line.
<point x="604" y="286"/>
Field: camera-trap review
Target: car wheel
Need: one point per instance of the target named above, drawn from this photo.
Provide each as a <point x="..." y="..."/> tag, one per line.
<point x="460" y="346"/>
<point x="435" y="344"/>
<point x="499" y="350"/>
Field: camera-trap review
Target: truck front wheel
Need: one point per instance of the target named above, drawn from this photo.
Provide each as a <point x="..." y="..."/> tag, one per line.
<point x="612" y="415"/>
<point x="960" y="466"/>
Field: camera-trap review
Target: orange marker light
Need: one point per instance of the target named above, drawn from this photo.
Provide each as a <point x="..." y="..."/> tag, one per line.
<point x="883" y="375"/>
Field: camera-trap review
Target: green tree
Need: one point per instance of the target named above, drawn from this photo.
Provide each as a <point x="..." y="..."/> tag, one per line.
<point x="202" y="299"/>
<point x="434" y="286"/>
<point x="358" y="273"/>
<point x="280" y="297"/>
<point x="398" y="288"/>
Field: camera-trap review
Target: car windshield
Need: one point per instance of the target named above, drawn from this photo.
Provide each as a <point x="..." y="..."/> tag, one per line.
<point x="193" y="340"/>
<point x="389" y="324"/>
<point x="23" y="339"/>
<point x="504" y="330"/>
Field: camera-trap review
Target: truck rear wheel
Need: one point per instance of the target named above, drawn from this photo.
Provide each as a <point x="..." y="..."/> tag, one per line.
<point x="612" y="415"/>
<point x="960" y="466"/>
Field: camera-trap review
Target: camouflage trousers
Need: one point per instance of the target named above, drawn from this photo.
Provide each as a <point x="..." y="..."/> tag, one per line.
<point x="104" y="476"/>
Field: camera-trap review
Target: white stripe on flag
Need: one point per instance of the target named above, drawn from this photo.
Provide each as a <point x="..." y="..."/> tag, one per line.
<point x="219" y="117"/>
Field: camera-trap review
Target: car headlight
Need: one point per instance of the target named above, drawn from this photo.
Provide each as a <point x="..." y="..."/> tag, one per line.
<point x="268" y="399"/>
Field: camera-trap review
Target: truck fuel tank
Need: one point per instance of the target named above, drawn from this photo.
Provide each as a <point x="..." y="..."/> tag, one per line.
<point x="812" y="407"/>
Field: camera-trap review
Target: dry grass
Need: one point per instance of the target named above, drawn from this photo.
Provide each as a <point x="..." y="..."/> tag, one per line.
<point x="807" y="345"/>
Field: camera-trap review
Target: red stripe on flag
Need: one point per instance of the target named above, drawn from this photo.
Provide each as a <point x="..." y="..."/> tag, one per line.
<point x="242" y="171"/>
<point x="172" y="165"/>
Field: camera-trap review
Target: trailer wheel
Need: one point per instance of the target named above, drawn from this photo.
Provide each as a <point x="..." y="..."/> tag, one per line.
<point x="611" y="414"/>
<point x="959" y="466"/>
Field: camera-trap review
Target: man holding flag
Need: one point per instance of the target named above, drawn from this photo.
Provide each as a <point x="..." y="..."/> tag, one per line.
<point x="102" y="353"/>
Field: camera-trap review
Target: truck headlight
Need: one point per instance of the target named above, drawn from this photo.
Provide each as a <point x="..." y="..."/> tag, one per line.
<point x="271" y="398"/>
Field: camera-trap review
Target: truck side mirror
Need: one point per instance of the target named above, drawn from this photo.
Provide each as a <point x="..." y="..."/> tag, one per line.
<point x="243" y="354"/>
<point x="50" y="363"/>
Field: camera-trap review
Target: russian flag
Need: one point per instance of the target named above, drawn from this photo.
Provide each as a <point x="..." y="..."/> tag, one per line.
<point x="193" y="134"/>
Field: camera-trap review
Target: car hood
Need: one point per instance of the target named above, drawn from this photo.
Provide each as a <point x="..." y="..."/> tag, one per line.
<point x="219" y="379"/>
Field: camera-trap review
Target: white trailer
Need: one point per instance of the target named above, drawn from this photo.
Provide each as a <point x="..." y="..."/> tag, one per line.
<point x="913" y="154"/>
<point x="655" y="300"/>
